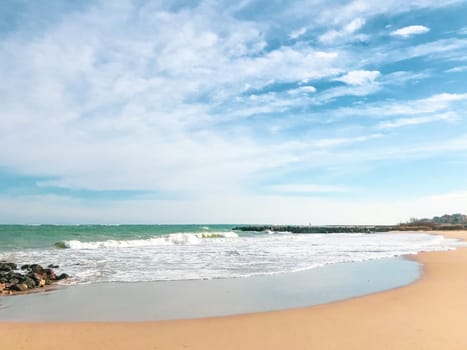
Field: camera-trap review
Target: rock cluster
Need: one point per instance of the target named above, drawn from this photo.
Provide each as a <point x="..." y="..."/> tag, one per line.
<point x="33" y="276"/>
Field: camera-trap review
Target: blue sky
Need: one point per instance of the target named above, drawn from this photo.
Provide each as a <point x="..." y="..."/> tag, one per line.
<point x="232" y="112"/>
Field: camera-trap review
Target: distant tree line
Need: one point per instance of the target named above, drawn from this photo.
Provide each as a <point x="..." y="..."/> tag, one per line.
<point x="445" y="222"/>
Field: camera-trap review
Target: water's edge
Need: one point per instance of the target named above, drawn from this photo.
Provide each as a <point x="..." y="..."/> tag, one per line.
<point x="168" y="300"/>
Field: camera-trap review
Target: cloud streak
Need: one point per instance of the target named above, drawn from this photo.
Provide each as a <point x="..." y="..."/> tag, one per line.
<point x="308" y="188"/>
<point x="359" y="77"/>
<point x="416" y="121"/>
<point x="408" y="31"/>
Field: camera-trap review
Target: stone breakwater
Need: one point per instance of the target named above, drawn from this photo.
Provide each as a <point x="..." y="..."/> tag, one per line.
<point x="31" y="277"/>
<point x="315" y="229"/>
<point x="350" y="228"/>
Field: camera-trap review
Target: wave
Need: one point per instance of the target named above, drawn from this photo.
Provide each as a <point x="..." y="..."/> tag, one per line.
<point x="273" y="232"/>
<point x="171" y="239"/>
<point x="217" y="254"/>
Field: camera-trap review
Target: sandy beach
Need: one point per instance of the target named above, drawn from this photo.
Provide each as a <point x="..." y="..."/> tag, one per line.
<point x="428" y="314"/>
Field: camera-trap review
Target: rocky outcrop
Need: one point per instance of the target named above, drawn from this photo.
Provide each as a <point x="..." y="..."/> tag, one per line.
<point x="33" y="276"/>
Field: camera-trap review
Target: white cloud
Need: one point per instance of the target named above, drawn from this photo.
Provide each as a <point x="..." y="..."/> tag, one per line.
<point x="345" y="33"/>
<point x="307" y="89"/>
<point x="444" y="48"/>
<point x="308" y="188"/>
<point x="333" y="94"/>
<point x="128" y="98"/>
<point x="341" y="13"/>
<point x="339" y="141"/>
<point x="446" y="97"/>
<point x="355" y="25"/>
<point x="83" y="98"/>
<point x="443" y="102"/>
<point x="417" y="120"/>
<point x="405" y="32"/>
<point x="330" y="36"/>
<point x="359" y="77"/>
<point x="458" y="69"/>
<point x="303" y="89"/>
<point x="297" y="33"/>
<point x="401" y="78"/>
<point x="449" y="49"/>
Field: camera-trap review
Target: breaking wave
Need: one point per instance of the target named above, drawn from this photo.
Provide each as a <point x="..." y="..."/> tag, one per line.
<point x="171" y="239"/>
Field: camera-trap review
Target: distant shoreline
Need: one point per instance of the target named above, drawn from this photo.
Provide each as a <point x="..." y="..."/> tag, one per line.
<point x="412" y="226"/>
<point x="347" y="228"/>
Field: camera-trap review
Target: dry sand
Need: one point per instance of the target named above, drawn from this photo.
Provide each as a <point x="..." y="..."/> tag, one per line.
<point x="428" y="314"/>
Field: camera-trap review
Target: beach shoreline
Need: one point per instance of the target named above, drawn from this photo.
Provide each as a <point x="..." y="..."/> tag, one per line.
<point x="171" y="300"/>
<point x="426" y="314"/>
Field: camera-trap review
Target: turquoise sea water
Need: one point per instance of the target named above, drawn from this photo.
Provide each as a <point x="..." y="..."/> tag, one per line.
<point x="147" y="253"/>
<point x="44" y="236"/>
<point x="180" y="271"/>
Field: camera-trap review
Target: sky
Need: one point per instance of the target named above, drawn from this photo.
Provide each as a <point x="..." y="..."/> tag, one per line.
<point x="251" y="111"/>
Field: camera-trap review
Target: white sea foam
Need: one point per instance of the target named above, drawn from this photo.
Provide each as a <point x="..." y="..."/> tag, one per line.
<point x="174" y="238"/>
<point x="208" y="255"/>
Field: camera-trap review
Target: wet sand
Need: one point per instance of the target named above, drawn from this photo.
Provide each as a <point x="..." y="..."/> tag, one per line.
<point x="430" y="313"/>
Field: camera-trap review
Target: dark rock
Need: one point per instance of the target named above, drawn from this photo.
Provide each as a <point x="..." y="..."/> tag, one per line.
<point x="30" y="283"/>
<point x="12" y="265"/>
<point x="52" y="266"/>
<point x="62" y="277"/>
<point x="5" y="267"/>
<point x="18" y="287"/>
<point x="3" y="277"/>
<point x="12" y="283"/>
<point x="12" y="278"/>
<point x="39" y="279"/>
<point x="50" y="274"/>
<point x="36" y="268"/>
<point x="13" y="275"/>
<point x="35" y="277"/>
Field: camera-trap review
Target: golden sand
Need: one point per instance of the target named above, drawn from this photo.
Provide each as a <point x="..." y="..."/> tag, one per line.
<point x="428" y="314"/>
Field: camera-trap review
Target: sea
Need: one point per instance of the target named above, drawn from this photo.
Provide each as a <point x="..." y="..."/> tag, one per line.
<point x="149" y="253"/>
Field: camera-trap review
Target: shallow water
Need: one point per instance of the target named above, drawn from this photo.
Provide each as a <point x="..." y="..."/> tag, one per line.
<point x="96" y="254"/>
<point x="147" y="301"/>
